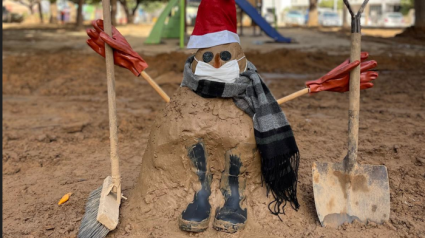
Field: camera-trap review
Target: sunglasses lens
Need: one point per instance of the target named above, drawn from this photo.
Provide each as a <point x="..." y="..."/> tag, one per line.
<point x="207" y="56"/>
<point x="225" y="55"/>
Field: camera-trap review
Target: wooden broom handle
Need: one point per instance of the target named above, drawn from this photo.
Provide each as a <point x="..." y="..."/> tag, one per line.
<point x="155" y="86"/>
<point x="110" y="76"/>
<point x="293" y="96"/>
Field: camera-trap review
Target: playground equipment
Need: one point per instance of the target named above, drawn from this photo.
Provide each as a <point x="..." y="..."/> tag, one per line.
<point x="168" y="24"/>
<point x="171" y="23"/>
<point x="261" y="22"/>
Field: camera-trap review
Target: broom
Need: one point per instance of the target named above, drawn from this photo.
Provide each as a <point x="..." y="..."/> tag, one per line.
<point x="102" y="207"/>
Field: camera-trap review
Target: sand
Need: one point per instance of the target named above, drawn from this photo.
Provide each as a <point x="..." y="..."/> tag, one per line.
<point x="55" y="134"/>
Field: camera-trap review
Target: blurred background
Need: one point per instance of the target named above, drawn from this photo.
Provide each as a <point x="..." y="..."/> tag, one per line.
<point x="386" y="13"/>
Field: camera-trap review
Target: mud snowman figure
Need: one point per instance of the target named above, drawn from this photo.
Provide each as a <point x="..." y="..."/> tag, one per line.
<point x="220" y="138"/>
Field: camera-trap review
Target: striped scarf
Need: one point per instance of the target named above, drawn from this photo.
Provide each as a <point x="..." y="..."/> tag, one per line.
<point x="273" y="134"/>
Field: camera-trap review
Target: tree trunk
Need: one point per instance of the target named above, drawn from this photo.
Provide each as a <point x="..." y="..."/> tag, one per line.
<point x="31" y="7"/>
<point x="313" y="14"/>
<point x="40" y="12"/>
<point x="53" y="13"/>
<point x="80" y="19"/>
<point x="130" y="19"/>
<point x="420" y="14"/>
<point x="134" y="10"/>
<point x="114" y="12"/>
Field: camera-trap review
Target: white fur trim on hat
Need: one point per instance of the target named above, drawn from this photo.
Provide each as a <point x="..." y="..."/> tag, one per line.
<point x="212" y="39"/>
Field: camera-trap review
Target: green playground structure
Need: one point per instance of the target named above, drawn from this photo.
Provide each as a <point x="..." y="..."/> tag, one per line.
<point x="170" y="24"/>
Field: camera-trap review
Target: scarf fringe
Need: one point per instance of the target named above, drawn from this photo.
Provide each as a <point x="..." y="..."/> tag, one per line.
<point x="281" y="176"/>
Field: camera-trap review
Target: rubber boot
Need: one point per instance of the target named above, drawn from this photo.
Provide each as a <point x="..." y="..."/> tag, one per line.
<point x="196" y="216"/>
<point x="231" y="218"/>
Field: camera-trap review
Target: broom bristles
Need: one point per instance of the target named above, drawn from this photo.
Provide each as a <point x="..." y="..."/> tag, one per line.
<point x="90" y="227"/>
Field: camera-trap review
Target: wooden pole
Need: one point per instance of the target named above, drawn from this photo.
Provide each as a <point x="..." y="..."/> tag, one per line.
<point x="155" y="86"/>
<point x="110" y="77"/>
<point x="293" y="96"/>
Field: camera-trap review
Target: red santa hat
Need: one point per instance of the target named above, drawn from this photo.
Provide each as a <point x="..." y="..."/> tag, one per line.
<point x="215" y="24"/>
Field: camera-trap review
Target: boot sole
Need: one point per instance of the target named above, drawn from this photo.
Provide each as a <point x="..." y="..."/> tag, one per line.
<point x="228" y="227"/>
<point x="193" y="226"/>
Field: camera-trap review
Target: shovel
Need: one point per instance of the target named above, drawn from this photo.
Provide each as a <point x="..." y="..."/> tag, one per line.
<point x="348" y="191"/>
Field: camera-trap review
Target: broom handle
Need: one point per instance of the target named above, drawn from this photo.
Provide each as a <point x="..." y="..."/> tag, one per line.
<point x="110" y="76"/>
<point x="293" y="95"/>
<point x="155" y="86"/>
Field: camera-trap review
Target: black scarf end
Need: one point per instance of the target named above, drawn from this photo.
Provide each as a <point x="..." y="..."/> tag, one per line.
<point x="277" y="206"/>
<point x="281" y="175"/>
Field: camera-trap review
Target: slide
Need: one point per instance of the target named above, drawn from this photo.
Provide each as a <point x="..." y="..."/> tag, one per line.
<point x="261" y="22"/>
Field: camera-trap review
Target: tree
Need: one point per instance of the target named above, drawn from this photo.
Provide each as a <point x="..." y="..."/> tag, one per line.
<point x="130" y="12"/>
<point x="80" y="18"/>
<point x="313" y="14"/>
<point x="114" y="12"/>
<point x="406" y="5"/>
<point x="53" y="12"/>
<point x="40" y="11"/>
<point x="130" y="8"/>
<point x="29" y="3"/>
<point x="420" y="15"/>
<point x="135" y="9"/>
<point x="127" y="11"/>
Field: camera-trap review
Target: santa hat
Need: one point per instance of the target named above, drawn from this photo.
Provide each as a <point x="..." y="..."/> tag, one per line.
<point x="215" y="24"/>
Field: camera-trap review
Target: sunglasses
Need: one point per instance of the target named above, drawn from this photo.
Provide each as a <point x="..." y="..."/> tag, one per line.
<point x="224" y="55"/>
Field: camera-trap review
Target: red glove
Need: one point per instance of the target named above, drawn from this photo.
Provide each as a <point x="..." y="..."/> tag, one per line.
<point x="337" y="80"/>
<point x="124" y="55"/>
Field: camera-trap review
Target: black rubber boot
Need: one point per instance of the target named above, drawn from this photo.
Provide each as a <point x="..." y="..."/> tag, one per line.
<point x="196" y="216"/>
<point x="231" y="218"/>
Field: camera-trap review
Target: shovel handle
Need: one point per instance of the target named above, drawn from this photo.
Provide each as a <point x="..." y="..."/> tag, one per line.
<point x="354" y="94"/>
<point x="110" y="76"/>
<point x="354" y="98"/>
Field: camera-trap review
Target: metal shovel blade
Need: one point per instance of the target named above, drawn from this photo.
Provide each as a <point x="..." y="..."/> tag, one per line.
<point x="362" y="194"/>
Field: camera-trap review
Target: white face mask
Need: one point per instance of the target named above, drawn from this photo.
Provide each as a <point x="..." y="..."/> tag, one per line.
<point x="227" y="73"/>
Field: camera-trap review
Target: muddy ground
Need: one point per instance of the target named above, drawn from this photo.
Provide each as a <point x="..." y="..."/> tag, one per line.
<point x="56" y="138"/>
